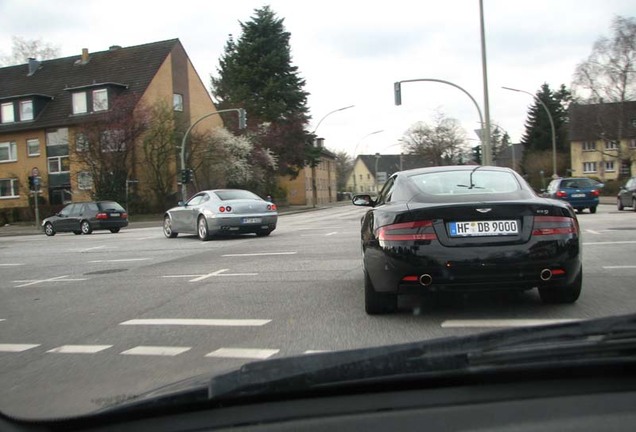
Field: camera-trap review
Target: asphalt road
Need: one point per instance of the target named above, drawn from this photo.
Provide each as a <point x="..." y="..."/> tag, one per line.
<point x="87" y="321"/>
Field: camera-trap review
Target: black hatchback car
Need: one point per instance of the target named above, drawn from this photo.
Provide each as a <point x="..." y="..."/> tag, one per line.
<point x="463" y="228"/>
<point x="86" y="217"/>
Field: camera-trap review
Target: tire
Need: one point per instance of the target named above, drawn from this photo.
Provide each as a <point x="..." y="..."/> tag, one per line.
<point x="115" y="230"/>
<point x="263" y="233"/>
<point x="619" y="204"/>
<point x="634" y="204"/>
<point x="85" y="227"/>
<point x="167" y="228"/>
<point x="49" y="230"/>
<point x="565" y="294"/>
<point x="77" y="232"/>
<point x="202" y="229"/>
<point x="376" y="303"/>
<point x="592" y="210"/>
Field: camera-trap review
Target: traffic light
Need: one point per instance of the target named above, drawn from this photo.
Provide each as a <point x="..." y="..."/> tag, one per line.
<point x="186" y="176"/>
<point x="242" y="118"/>
<point x="477" y="154"/>
<point x="397" y="91"/>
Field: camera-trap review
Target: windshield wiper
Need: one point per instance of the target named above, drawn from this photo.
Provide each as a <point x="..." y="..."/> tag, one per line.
<point x="472" y="185"/>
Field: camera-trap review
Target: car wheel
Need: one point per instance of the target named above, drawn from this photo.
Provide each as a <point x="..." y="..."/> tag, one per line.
<point x="592" y="210"/>
<point x="86" y="227"/>
<point x="377" y="303"/>
<point x="114" y="230"/>
<point x="565" y="294"/>
<point x="619" y="204"/>
<point x="263" y="233"/>
<point x="167" y="228"/>
<point x="634" y="204"/>
<point x="77" y="232"/>
<point x="49" y="230"/>
<point x="202" y="229"/>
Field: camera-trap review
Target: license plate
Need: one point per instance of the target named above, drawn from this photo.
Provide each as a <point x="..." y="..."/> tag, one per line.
<point x="483" y="228"/>
<point x="115" y="214"/>
<point x="578" y="195"/>
<point x="251" y="220"/>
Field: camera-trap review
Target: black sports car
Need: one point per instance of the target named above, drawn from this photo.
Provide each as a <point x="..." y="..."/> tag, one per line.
<point x="467" y="228"/>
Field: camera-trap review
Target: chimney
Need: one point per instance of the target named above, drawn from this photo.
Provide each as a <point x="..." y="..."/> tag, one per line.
<point x="114" y="47"/>
<point x="34" y="65"/>
<point x="84" y="56"/>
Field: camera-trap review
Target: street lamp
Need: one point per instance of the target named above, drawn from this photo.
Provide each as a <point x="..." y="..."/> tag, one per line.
<point x="355" y="149"/>
<point x="328" y="114"/>
<point x="377" y="158"/>
<point x="545" y="107"/>
<point x="242" y="125"/>
<point x="485" y="135"/>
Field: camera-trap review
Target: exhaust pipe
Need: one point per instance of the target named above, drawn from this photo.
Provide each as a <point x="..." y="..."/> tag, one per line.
<point x="426" y="279"/>
<point x="546" y="274"/>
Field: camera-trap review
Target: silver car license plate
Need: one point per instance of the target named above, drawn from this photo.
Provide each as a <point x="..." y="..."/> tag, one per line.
<point x="251" y="220"/>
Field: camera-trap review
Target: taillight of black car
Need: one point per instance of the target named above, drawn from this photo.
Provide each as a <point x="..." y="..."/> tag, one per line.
<point x="554" y="225"/>
<point x="421" y="230"/>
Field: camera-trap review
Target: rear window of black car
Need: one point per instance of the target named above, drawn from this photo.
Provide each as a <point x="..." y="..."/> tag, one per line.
<point x="110" y="205"/>
<point x="451" y="183"/>
<point x="235" y="194"/>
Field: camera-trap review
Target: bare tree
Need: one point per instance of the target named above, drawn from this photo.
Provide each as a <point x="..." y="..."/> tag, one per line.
<point x="608" y="79"/>
<point x="442" y="143"/>
<point x="23" y="49"/>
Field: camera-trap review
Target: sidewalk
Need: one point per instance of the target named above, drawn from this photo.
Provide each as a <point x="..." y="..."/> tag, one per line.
<point x="149" y="221"/>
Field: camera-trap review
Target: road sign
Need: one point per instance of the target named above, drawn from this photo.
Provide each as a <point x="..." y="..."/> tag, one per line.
<point x="380" y="177"/>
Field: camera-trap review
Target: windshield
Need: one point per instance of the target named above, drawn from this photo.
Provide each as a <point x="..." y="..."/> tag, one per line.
<point x="190" y="187"/>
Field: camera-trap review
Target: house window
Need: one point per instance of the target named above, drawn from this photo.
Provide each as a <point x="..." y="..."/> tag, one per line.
<point x="589" y="146"/>
<point x="611" y="145"/>
<point x="177" y="102"/>
<point x="632" y="143"/>
<point x="634" y="122"/>
<point x="85" y="180"/>
<point x="8" y="152"/>
<point x="589" y="167"/>
<point x="33" y="147"/>
<point x="8" y="188"/>
<point x="100" y="100"/>
<point x="6" y="112"/>
<point x="79" y="103"/>
<point x="81" y="142"/>
<point x="59" y="164"/>
<point x="609" y="166"/>
<point x="26" y="110"/>
<point x="56" y="137"/>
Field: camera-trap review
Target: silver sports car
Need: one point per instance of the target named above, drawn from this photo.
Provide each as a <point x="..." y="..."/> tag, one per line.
<point x="219" y="212"/>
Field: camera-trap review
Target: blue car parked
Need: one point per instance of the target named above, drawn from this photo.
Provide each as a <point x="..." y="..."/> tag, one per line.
<point x="580" y="192"/>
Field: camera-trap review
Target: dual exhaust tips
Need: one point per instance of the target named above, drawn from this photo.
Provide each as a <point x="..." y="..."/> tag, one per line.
<point x="426" y="279"/>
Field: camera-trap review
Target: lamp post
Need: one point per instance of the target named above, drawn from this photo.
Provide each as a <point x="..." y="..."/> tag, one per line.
<point x="328" y="114"/>
<point x="242" y="125"/>
<point x="485" y="135"/>
<point x="355" y="149"/>
<point x="375" y="176"/>
<point x="545" y="107"/>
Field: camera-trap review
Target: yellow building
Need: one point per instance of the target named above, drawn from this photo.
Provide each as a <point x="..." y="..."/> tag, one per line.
<point x="44" y="105"/>
<point x="370" y="172"/>
<point x="300" y="190"/>
<point x="603" y="140"/>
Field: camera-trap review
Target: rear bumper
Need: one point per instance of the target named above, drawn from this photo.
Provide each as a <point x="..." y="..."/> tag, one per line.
<point x="242" y="224"/>
<point x="108" y="224"/>
<point x="474" y="269"/>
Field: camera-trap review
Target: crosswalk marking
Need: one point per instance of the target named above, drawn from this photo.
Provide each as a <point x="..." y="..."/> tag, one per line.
<point x="502" y="322"/>
<point x="79" y="349"/>
<point x="199" y="322"/>
<point x="156" y="351"/>
<point x="17" y="347"/>
<point x="244" y="353"/>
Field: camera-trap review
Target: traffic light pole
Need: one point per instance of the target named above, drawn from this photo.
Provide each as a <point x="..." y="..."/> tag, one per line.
<point x="242" y="125"/>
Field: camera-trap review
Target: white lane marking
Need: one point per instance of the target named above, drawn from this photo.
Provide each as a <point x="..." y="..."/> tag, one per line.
<point x="200" y="278"/>
<point x="620" y="267"/>
<point x="17" y="347"/>
<point x="238" y="274"/>
<point x="260" y="254"/>
<point x="156" y="351"/>
<point x="592" y="231"/>
<point x="25" y="283"/>
<point x="610" y="243"/>
<point x="119" y="260"/>
<point x="247" y="353"/>
<point x="11" y="264"/>
<point x="79" y="349"/>
<point x="90" y="249"/>
<point x="199" y="322"/>
<point x="2" y="319"/>
<point x="332" y="233"/>
<point x="315" y="351"/>
<point x="180" y="276"/>
<point x="502" y="322"/>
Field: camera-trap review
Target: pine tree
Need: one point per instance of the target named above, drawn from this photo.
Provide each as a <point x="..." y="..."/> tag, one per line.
<point x="256" y="73"/>
<point x="538" y="134"/>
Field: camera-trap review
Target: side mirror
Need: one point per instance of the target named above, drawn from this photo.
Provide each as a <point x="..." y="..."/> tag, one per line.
<point x="362" y="200"/>
<point x="181" y="204"/>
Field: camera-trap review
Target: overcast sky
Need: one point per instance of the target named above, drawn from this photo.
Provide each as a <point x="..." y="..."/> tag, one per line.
<point x="351" y="52"/>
